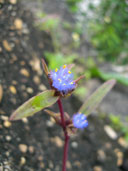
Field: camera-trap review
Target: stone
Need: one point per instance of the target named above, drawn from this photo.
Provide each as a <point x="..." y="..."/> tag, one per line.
<point x="31" y="149"/>
<point x="35" y="63"/>
<point x="24" y="72"/>
<point x="110" y="132"/>
<point x="122" y="142"/>
<point x="58" y="142"/>
<point x="7" y="46"/>
<point x="23" y="148"/>
<point x="7" y="124"/>
<point x="68" y="164"/>
<point x="97" y="168"/>
<point x="18" y="23"/>
<point x="12" y="89"/>
<point x="13" y="2"/>
<point x="42" y="87"/>
<point x="22" y="160"/>
<point x="36" y="79"/>
<point x="8" y="138"/>
<point x="25" y="120"/>
<point x="29" y="90"/>
<point x="74" y="144"/>
<point x="4" y="118"/>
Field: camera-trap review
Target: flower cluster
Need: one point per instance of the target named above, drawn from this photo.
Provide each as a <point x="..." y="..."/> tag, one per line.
<point x="80" y="121"/>
<point x="62" y="80"/>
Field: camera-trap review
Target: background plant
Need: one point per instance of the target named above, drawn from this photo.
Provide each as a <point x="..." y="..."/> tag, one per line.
<point x="62" y="85"/>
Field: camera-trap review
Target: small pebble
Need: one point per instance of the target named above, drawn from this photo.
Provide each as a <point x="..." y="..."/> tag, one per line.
<point x="13" y="1"/>
<point x="4" y="118"/>
<point x="7" y="124"/>
<point x="57" y="140"/>
<point x="97" y="168"/>
<point x="12" y="89"/>
<point x="7" y="45"/>
<point x="110" y="132"/>
<point x="31" y="149"/>
<point x="119" y="158"/>
<point x="25" y="120"/>
<point x="8" y="138"/>
<point x="122" y="142"/>
<point x="23" y="148"/>
<point x="24" y="72"/>
<point x="68" y="164"/>
<point x="36" y="66"/>
<point x="74" y="144"/>
<point x="42" y="87"/>
<point x="22" y="160"/>
<point x="49" y="123"/>
<point x="36" y="79"/>
<point x="7" y="154"/>
<point x="119" y="162"/>
<point x="29" y="90"/>
<point x="18" y="23"/>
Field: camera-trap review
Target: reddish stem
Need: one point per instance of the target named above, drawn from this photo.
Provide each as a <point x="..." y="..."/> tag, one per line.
<point x="61" y="114"/>
<point x="65" y="155"/>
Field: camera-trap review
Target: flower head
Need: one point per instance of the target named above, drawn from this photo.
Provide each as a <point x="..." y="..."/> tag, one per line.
<point x="80" y="121"/>
<point x="62" y="80"/>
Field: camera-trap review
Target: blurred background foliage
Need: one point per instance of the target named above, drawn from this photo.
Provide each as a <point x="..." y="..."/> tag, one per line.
<point x="93" y="35"/>
<point x="109" y="30"/>
<point x="101" y="24"/>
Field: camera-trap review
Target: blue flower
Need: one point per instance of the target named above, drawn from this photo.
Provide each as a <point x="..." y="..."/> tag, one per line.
<point x="80" y="121"/>
<point x="62" y="80"/>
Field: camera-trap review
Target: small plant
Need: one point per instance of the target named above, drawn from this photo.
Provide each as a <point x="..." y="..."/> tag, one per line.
<point x="62" y="85"/>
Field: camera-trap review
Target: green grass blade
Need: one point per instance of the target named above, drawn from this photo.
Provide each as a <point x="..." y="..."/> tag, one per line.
<point x="35" y="104"/>
<point x="94" y="100"/>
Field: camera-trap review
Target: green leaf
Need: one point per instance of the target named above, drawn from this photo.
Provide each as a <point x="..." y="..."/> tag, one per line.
<point x="117" y="76"/>
<point x="94" y="100"/>
<point x="35" y="104"/>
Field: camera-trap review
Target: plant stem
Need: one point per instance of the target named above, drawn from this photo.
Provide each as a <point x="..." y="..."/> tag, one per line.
<point x="65" y="154"/>
<point x="61" y="114"/>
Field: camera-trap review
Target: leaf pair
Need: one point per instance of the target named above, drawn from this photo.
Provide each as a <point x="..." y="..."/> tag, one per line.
<point x="47" y="98"/>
